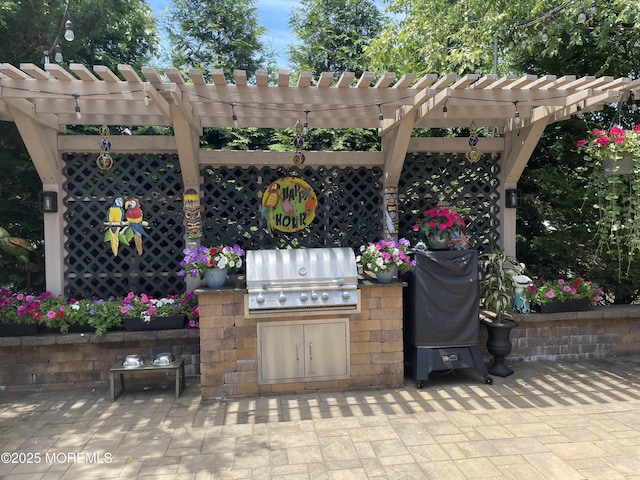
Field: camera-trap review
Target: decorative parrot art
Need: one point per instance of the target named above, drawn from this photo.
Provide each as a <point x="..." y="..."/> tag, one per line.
<point x="124" y="223"/>
<point x="16" y="247"/>
<point x="115" y="216"/>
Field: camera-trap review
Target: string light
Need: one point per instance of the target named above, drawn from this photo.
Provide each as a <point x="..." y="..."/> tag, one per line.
<point x="305" y="127"/>
<point x="544" y="35"/>
<point x="579" y="111"/>
<point x="380" y="116"/>
<point x="516" y="117"/>
<point x="234" y="117"/>
<point x="68" y="32"/>
<point x="77" y="107"/>
<point x="58" y="56"/>
<point x="445" y="109"/>
<point x="147" y="99"/>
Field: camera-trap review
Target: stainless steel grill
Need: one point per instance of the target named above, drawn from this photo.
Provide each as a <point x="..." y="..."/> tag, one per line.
<point x="301" y="279"/>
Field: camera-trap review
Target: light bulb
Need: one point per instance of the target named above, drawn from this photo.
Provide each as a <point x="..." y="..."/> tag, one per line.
<point x="45" y="57"/>
<point x="516" y="118"/>
<point x="544" y="35"/>
<point x="58" y="56"/>
<point x="582" y="17"/>
<point x="147" y="100"/>
<point x="444" y="111"/>
<point x="68" y="33"/>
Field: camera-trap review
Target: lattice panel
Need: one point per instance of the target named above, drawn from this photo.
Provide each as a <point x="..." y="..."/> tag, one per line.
<point x="90" y="267"/>
<point x="349" y="211"/>
<point x="428" y="180"/>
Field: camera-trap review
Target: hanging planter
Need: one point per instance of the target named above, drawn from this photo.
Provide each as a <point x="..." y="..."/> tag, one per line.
<point x="614" y="184"/>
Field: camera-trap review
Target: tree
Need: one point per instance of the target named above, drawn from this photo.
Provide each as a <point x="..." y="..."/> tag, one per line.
<point x="470" y="36"/>
<point x="224" y="34"/>
<point x="333" y="34"/>
<point x="107" y="32"/>
<point x="473" y="36"/>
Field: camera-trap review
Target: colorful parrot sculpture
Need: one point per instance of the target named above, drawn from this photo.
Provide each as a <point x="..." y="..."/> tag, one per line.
<point x="115" y="216"/>
<point x="17" y="247"/>
<point x="133" y="214"/>
<point x="269" y="202"/>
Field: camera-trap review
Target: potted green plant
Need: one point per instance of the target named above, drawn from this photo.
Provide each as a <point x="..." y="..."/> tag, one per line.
<point x="614" y="184"/>
<point x="497" y="291"/>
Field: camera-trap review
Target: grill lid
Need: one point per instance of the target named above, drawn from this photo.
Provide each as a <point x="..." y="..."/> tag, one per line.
<point x="307" y="278"/>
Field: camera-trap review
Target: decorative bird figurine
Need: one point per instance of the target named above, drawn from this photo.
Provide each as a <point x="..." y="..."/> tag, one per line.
<point x="269" y="202"/>
<point x="288" y="208"/>
<point x="115" y="216"/>
<point x="133" y="215"/>
<point x="17" y="247"/>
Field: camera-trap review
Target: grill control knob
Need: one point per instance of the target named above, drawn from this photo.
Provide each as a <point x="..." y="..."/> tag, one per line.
<point x="282" y="298"/>
<point x="346" y="295"/>
<point x="314" y="296"/>
<point x="325" y="296"/>
<point x="304" y="297"/>
<point x="260" y="299"/>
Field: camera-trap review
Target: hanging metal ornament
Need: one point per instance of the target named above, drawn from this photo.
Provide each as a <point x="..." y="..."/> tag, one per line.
<point x="473" y="154"/>
<point x="298" y="142"/>
<point x="104" y="160"/>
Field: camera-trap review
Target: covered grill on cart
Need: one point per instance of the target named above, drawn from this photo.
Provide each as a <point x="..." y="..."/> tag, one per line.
<point x="441" y="321"/>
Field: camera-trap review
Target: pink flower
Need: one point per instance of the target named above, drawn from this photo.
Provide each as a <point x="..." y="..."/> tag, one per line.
<point x="550" y="294"/>
<point x="581" y="143"/>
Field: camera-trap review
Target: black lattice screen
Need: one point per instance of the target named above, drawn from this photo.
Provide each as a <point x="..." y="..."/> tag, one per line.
<point x="428" y="180"/>
<point x="349" y="212"/>
<point x="90" y="267"/>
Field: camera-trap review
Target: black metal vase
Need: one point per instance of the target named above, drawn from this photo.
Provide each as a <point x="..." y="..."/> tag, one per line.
<point x="499" y="345"/>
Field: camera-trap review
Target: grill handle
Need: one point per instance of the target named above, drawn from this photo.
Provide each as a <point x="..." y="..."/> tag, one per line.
<point x="291" y="285"/>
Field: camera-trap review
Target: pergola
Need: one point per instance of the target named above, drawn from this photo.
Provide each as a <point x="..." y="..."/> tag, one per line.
<point x="43" y="102"/>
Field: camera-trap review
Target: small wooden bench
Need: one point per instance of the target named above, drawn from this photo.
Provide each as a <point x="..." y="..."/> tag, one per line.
<point x="177" y="365"/>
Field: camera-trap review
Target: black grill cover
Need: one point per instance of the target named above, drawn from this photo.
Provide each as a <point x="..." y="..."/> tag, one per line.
<point x="441" y="301"/>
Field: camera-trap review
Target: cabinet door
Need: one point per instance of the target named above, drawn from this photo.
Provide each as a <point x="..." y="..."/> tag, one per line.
<point x="281" y="352"/>
<point x="326" y="350"/>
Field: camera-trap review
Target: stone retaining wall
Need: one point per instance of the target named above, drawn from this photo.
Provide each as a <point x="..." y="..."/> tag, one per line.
<point x="611" y="331"/>
<point x="75" y="359"/>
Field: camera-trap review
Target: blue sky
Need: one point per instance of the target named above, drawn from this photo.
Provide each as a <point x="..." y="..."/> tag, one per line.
<point x="274" y="15"/>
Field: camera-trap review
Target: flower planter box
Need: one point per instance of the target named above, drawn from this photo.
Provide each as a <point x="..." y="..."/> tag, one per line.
<point x="17" y="329"/>
<point x="574" y="305"/>
<point x="157" y="323"/>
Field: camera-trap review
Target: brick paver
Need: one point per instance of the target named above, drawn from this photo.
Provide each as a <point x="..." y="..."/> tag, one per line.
<point x="550" y="420"/>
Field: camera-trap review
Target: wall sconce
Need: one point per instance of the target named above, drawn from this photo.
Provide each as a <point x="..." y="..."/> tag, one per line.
<point x="49" y="202"/>
<point x="512" y="198"/>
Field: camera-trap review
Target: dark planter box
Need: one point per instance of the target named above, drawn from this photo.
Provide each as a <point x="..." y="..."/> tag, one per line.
<point x="157" y="323"/>
<point x="17" y="329"/>
<point x="574" y="305"/>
